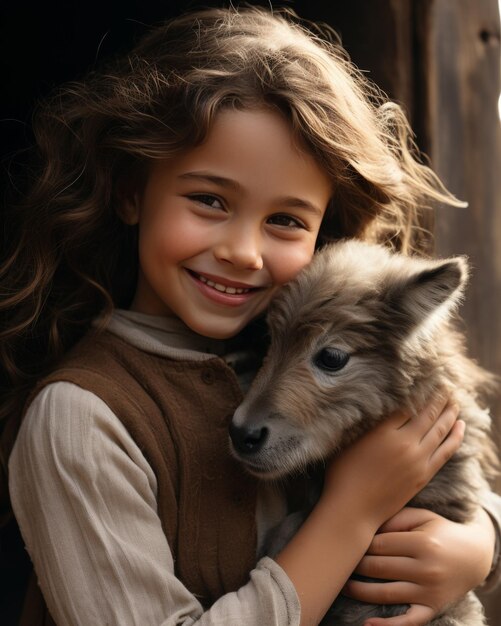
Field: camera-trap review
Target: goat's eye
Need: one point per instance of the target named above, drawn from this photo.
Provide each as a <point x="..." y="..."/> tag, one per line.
<point x="331" y="359"/>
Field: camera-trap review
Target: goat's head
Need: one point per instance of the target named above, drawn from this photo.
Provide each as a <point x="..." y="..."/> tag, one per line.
<point x="348" y="337"/>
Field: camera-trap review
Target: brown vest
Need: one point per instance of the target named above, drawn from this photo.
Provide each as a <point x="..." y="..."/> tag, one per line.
<point x="178" y="414"/>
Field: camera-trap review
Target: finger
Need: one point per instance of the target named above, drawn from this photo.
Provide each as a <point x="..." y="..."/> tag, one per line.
<point x="398" y="419"/>
<point x="406" y="544"/>
<point x="387" y="568"/>
<point x="409" y="518"/>
<point x="417" y="615"/>
<point x="381" y="593"/>
<point x="448" y="447"/>
<point x="442" y="426"/>
<point x="426" y="418"/>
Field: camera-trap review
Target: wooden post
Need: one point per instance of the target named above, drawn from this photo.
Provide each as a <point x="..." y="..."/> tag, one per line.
<point x="461" y="132"/>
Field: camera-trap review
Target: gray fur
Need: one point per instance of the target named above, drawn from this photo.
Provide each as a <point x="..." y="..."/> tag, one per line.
<point x="393" y="315"/>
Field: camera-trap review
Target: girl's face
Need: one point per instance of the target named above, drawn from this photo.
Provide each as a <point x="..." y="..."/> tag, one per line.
<point x="223" y="226"/>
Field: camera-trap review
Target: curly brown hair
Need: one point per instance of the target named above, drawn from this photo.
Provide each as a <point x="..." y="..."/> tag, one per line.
<point x="69" y="257"/>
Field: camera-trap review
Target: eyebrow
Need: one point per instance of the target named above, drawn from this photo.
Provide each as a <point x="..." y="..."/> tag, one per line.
<point x="229" y="183"/>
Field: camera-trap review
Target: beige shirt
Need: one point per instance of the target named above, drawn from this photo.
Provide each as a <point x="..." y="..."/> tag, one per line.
<point x="69" y="478"/>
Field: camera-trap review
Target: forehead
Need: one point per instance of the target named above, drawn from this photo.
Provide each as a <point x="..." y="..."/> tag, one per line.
<point x="257" y="149"/>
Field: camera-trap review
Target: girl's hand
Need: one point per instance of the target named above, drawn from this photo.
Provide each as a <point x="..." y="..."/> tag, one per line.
<point x="364" y="486"/>
<point x="379" y="473"/>
<point x="434" y="560"/>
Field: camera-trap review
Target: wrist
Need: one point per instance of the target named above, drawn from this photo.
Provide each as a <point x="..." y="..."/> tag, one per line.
<point x="321" y="556"/>
<point x="490" y="540"/>
<point x="355" y="506"/>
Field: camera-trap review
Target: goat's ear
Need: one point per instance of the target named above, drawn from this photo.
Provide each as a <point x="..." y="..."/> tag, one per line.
<point x="431" y="292"/>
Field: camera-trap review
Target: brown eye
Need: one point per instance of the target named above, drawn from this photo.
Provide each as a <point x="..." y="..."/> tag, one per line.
<point x="285" y="220"/>
<point x="331" y="359"/>
<point x="208" y="200"/>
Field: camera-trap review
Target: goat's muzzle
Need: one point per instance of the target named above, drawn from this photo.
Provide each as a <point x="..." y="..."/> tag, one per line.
<point x="248" y="440"/>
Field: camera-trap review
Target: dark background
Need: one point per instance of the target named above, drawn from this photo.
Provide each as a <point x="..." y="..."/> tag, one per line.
<point x="43" y="44"/>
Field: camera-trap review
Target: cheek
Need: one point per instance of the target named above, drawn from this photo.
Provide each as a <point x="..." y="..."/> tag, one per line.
<point x="171" y="239"/>
<point x="287" y="263"/>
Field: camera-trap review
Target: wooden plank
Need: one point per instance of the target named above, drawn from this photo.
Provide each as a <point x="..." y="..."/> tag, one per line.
<point x="462" y="135"/>
<point x="461" y="132"/>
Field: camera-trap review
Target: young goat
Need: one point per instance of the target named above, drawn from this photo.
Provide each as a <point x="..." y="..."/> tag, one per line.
<point x="362" y="332"/>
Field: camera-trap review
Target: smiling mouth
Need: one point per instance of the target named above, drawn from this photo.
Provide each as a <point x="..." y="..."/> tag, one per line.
<point x="220" y="287"/>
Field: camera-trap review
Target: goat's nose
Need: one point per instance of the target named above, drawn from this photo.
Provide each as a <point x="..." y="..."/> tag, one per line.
<point x="248" y="440"/>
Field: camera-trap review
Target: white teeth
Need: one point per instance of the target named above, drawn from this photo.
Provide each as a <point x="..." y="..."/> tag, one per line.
<point x="222" y="288"/>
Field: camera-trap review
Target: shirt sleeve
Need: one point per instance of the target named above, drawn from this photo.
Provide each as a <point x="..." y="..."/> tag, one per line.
<point x="85" y="500"/>
<point x="492" y="504"/>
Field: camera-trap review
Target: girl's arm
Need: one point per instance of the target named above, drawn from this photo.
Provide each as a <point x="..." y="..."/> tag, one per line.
<point x="364" y="486"/>
<point x="434" y="560"/>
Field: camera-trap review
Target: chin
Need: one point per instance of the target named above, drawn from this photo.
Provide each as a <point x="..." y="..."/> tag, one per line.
<point x="216" y="331"/>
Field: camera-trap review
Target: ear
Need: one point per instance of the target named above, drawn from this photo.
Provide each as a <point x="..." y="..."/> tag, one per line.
<point x="128" y="192"/>
<point x="128" y="209"/>
<point x="435" y="291"/>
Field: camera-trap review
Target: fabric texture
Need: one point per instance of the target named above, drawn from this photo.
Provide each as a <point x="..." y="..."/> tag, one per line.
<point x="182" y="431"/>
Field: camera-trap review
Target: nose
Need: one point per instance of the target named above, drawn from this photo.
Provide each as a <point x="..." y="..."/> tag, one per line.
<point x="241" y="247"/>
<point x="248" y="440"/>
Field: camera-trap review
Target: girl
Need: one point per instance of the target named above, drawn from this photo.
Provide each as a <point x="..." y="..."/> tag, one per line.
<point x="177" y="191"/>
